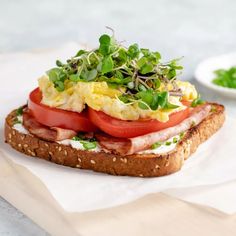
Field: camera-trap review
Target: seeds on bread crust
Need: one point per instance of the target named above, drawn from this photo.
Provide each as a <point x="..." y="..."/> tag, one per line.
<point x="141" y="165"/>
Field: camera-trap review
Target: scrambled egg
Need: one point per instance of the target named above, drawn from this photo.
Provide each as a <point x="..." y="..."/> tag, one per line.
<point x="100" y="97"/>
<point x="189" y="91"/>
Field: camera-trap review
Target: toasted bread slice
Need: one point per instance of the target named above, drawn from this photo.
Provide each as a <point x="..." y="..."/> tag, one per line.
<point x="142" y="165"/>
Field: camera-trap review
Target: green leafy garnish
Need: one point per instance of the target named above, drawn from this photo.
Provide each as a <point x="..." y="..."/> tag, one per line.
<point x="133" y="51"/>
<point x="19" y="111"/>
<point x="225" y="78"/>
<point x="88" y="143"/>
<point x="149" y="99"/>
<point x="76" y="138"/>
<point x="175" y="140"/>
<point x="181" y="135"/>
<point x="197" y="101"/>
<point x="107" y="64"/>
<point x="58" y="77"/>
<point x="16" y="121"/>
<point x="156" y="145"/>
<point x="168" y="143"/>
<point x="138" y="71"/>
<point x="106" y="45"/>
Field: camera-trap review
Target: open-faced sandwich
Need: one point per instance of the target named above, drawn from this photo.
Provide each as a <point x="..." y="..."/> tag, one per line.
<point x="115" y="110"/>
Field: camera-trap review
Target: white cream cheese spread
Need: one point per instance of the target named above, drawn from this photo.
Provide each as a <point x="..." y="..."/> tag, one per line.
<point x="161" y="148"/>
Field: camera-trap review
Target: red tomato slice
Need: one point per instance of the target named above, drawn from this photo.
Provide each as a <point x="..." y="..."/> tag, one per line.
<point x="186" y="103"/>
<point x="54" y="117"/>
<point x="130" y="129"/>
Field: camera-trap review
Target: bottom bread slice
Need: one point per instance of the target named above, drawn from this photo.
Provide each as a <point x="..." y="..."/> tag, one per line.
<point x="142" y="165"/>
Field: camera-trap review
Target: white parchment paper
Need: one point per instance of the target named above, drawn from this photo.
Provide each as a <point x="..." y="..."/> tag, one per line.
<point x="79" y="190"/>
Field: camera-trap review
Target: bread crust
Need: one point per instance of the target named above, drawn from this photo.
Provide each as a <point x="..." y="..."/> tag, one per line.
<point x="142" y="165"/>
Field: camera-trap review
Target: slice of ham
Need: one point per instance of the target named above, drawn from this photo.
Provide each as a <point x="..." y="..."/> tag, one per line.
<point x="130" y="146"/>
<point x="44" y="132"/>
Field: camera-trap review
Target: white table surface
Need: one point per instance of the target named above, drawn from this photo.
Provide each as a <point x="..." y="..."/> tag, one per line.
<point x="189" y="28"/>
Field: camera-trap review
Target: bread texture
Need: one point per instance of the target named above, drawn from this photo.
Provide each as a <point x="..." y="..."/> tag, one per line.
<point x="141" y="165"/>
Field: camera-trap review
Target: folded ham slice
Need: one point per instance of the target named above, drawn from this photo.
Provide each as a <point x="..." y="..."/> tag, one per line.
<point x="44" y="132"/>
<point x="132" y="145"/>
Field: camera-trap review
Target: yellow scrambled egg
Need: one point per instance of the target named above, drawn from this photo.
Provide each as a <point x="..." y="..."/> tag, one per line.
<point x="100" y="97"/>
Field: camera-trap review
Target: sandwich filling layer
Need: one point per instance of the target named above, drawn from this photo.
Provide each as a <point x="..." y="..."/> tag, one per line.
<point x="156" y="142"/>
<point x="157" y="148"/>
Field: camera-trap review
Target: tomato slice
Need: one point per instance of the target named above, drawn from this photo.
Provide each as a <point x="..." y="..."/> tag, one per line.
<point x="55" y="117"/>
<point x="130" y="129"/>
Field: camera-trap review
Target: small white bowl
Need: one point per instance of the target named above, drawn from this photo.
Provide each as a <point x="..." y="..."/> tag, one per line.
<point x="204" y="72"/>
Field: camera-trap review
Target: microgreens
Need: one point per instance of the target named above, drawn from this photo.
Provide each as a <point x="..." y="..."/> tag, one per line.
<point x="168" y="143"/>
<point x="88" y="143"/>
<point x="138" y="70"/>
<point x="19" y="111"/>
<point x="181" y="135"/>
<point x="197" y="101"/>
<point x="156" y="145"/>
<point x="17" y="121"/>
<point x="175" y="140"/>
<point x="225" y="78"/>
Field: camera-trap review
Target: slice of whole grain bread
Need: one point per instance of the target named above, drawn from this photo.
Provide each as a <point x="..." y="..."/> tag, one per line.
<point x="142" y="165"/>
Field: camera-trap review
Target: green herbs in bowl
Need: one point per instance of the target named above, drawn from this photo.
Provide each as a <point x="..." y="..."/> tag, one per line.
<point x="225" y="77"/>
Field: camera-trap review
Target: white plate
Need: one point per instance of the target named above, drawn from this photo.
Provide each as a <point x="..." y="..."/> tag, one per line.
<point x="205" y="72"/>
